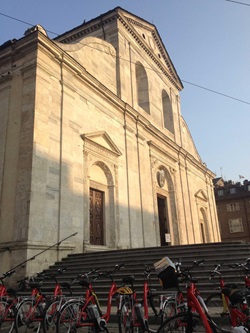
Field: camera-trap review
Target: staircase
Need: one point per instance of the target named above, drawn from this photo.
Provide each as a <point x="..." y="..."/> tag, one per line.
<point x="135" y="259"/>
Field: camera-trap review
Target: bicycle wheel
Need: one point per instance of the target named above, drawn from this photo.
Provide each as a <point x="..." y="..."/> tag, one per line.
<point x="69" y="318"/>
<point x="218" y="312"/>
<point x="7" y="313"/>
<point x="51" y="313"/>
<point x="187" y="322"/>
<point x="125" y="318"/>
<point x="169" y="310"/>
<point x="29" y="317"/>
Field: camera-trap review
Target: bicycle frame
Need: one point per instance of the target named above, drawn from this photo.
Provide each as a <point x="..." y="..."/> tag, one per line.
<point x="196" y="303"/>
<point x="148" y="297"/>
<point x="87" y="317"/>
<point x="139" y="313"/>
<point x="91" y="299"/>
<point x="224" y="298"/>
<point x="237" y="315"/>
<point x="38" y="299"/>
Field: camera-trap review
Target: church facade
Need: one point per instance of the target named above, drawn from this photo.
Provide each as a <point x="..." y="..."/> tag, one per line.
<point x="93" y="143"/>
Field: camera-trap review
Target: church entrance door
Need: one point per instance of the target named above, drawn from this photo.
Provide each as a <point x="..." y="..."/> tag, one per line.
<point x="96" y="217"/>
<point x="162" y="215"/>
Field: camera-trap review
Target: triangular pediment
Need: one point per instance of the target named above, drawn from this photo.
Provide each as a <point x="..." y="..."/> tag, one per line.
<point x="103" y="140"/>
<point x="148" y="36"/>
<point x="201" y="195"/>
<point x="144" y="34"/>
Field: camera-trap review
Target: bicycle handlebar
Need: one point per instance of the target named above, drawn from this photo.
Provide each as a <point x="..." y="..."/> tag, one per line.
<point x="244" y="266"/>
<point x="110" y="273"/>
<point x="185" y="274"/>
<point x="194" y="264"/>
<point x="215" y="271"/>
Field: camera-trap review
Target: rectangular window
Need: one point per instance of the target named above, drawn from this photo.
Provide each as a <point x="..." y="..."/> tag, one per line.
<point x="235" y="225"/>
<point x="232" y="207"/>
<point x="232" y="190"/>
<point x="248" y="188"/>
<point x="220" y="192"/>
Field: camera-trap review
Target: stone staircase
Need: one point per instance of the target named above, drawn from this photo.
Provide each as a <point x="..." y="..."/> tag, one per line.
<point x="135" y="259"/>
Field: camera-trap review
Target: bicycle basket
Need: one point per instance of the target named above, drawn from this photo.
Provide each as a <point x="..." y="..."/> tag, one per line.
<point x="166" y="272"/>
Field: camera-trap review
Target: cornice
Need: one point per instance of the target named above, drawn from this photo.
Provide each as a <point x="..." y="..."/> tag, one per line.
<point x="101" y="21"/>
<point x="152" y="56"/>
<point x="186" y="156"/>
<point x="79" y="71"/>
<point x="155" y="146"/>
<point x="82" y="31"/>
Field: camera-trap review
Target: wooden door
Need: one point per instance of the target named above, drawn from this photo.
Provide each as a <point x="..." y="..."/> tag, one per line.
<point x="96" y="217"/>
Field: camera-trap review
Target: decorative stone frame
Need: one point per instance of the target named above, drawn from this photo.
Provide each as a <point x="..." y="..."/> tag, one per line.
<point x="160" y="166"/>
<point x="202" y="207"/>
<point x="99" y="150"/>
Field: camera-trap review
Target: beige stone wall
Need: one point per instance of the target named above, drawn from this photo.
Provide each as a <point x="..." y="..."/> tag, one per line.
<point x="70" y="122"/>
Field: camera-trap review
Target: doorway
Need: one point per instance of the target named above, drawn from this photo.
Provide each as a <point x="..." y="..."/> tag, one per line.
<point x="163" y="220"/>
<point x="96" y="217"/>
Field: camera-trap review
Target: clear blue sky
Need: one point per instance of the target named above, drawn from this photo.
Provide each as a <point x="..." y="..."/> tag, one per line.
<point x="208" y="42"/>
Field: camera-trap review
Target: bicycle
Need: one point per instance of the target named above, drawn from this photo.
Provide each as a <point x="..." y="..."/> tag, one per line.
<point x="9" y="301"/>
<point x="133" y="314"/>
<point x="37" y="311"/>
<point x="245" y="267"/>
<point x="228" y="308"/>
<point x="7" y="305"/>
<point x="174" y="302"/>
<point x="85" y="313"/>
<point x="53" y="306"/>
<point x="217" y="303"/>
<point x="195" y="318"/>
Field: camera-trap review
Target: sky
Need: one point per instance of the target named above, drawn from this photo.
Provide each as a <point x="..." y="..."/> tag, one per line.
<point x="208" y="42"/>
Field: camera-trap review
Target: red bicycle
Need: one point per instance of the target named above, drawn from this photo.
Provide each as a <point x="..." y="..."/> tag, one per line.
<point x="85" y="313"/>
<point x="37" y="311"/>
<point x="9" y="301"/>
<point x="133" y="314"/>
<point x="195" y="318"/>
<point x="228" y="308"/>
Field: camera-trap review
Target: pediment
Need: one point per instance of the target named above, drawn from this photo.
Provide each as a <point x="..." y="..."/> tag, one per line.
<point x="201" y="195"/>
<point x="103" y="140"/>
<point x="142" y="32"/>
<point x="147" y="35"/>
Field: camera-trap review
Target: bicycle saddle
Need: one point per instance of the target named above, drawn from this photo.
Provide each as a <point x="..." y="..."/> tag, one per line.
<point x="128" y="279"/>
<point x="236" y="295"/>
<point x="13" y="292"/>
<point x="34" y="285"/>
<point x="65" y="285"/>
<point x="231" y="285"/>
<point x="84" y="283"/>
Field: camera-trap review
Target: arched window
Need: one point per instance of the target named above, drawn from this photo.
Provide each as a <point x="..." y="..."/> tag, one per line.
<point x="142" y="87"/>
<point x="167" y="112"/>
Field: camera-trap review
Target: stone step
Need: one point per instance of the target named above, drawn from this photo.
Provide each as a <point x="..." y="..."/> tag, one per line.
<point x="135" y="259"/>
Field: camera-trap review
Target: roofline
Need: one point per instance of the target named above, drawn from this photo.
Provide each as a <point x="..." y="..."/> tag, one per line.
<point x="112" y="12"/>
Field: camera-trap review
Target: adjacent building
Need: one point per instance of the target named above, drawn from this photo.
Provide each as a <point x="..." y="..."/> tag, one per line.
<point x="92" y="141"/>
<point x="233" y="207"/>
